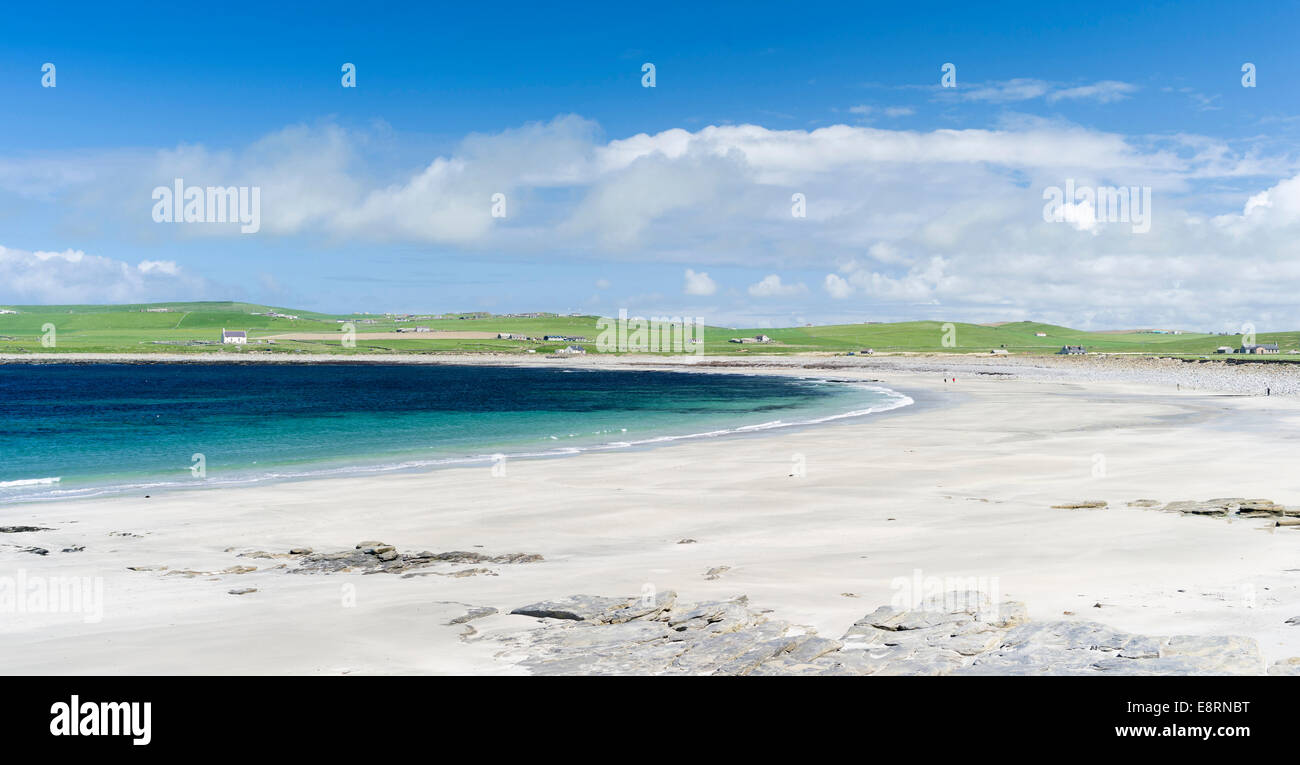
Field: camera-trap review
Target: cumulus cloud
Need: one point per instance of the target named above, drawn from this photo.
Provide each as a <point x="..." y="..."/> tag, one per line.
<point x="698" y="284"/>
<point x="944" y="220"/>
<point x="771" y="286"/>
<point x="72" y="276"/>
<point x="837" y="287"/>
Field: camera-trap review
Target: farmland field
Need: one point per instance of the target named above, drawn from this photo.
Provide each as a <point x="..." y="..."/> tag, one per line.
<point x="196" y="328"/>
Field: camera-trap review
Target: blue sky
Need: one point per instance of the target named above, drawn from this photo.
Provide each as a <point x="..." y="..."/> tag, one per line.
<point x="922" y="201"/>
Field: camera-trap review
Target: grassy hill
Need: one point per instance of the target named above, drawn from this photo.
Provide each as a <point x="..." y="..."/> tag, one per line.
<point x="196" y="328"/>
<point x="1015" y="337"/>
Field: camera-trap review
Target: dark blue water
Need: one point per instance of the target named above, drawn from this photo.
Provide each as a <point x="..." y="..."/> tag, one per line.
<point x="78" y="430"/>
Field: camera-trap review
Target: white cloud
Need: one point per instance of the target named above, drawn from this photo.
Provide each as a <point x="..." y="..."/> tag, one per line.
<point x="1026" y="89"/>
<point x="1103" y="92"/>
<point x="698" y="284"/>
<point x="836" y="287"/>
<point x="771" y="286"/>
<point x="864" y="110"/>
<point x="949" y="219"/>
<point x="72" y="276"/>
<point x="1002" y="92"/>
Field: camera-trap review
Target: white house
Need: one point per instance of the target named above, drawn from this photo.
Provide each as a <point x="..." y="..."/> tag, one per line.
<point x="234" y="337"/>
<point x="572" y="350"/>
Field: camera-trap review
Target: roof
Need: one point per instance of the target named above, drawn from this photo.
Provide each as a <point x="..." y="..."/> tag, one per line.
<point x="233" y="333"/>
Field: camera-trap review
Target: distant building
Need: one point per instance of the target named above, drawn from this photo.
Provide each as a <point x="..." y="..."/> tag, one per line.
<point x="867" y="351"/>
<point x="755" y="339"/>
<point x="1224" y="349"/>
<point x="505" y="336"/>
<point x="572" y="350"/>
<point x="999" y="351"/>
<point x="157" y="310"/>
<point x="234" y="337"/>
<point x="7" y="310"/>
<point x="423" y="329"/>
<point x="1071" y="350"/>
<point x="1258" y="348"/>
<point x="1040" y="334"/>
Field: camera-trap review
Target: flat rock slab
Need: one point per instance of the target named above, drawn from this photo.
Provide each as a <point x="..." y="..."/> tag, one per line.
<point x="574" y="607"/>
<point x="372" y="557"/>
<point x="595" y="635"/>
<point x="1230" y="506"/>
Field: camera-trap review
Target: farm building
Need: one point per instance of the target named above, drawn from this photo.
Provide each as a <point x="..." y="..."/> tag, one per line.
<point x="234" y="337"/>
<point x="1071" y="350"/>
<point x="1258" y="348"/>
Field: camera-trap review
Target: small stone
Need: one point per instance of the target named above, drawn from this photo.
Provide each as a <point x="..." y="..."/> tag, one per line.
<point x="1087" y="505"/>
<point x="686" y="541"/>
<point x="242" y="591"/>
<point x="300" y="551"/>
<point x="20" y="529"/>
<point x="716" y="572"/>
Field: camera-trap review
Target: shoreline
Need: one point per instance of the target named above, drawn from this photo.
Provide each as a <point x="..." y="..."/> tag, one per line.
<point x="411" y="464"/>
<point x="963" y="488"/>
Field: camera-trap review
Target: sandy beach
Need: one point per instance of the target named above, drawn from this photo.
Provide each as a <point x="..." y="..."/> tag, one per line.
<point x="815" y="524"/>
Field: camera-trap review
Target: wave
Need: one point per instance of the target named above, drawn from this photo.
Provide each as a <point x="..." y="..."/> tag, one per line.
<point x="29" y="482"/>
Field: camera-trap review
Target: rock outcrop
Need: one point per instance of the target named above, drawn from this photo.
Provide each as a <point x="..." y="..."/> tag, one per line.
<point x="378" y="558"/>
<point x="1236" y="507"/>
<point x="592" y="635"/>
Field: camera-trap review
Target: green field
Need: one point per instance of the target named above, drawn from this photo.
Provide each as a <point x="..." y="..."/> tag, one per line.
<point x="196" y="328"/>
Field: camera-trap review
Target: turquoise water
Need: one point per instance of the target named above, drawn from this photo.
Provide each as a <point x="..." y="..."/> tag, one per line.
<point x="83" y="430"/>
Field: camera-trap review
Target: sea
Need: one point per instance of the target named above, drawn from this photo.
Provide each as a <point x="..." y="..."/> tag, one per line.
<point x="82" y="430"/>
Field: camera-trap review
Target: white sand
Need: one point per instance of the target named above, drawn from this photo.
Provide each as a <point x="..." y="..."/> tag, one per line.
<point x="958" y="486"/>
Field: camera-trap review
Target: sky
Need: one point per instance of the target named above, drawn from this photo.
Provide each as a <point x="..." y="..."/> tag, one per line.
<point x="818" y="163"/>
